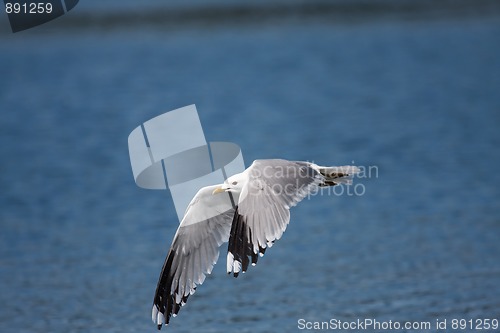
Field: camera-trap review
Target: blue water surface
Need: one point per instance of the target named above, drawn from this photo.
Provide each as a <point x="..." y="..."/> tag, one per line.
<point x="81" y="246"/>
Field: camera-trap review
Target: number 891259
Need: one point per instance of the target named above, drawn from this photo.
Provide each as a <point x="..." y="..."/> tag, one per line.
<point x="28" y="8"/>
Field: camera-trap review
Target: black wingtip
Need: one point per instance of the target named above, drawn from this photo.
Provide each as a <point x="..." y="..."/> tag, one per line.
<point x="159" y="327"/>
<point x="236" y="274"/>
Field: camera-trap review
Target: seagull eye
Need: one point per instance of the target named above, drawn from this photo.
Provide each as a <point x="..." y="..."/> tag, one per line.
<point x="234" y="183"/>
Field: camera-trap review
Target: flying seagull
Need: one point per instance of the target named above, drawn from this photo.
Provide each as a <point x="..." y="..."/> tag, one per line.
<point x="257" y="215"/>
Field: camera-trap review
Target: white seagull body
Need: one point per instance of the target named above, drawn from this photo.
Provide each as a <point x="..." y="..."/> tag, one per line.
<point x="261" y="197"/>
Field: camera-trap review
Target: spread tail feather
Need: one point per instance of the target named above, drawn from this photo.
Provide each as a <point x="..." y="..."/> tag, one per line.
<point x="338" y="174"/>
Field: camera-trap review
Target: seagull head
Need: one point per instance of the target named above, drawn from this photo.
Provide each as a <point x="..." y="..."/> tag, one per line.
<point x="232" y="184"/>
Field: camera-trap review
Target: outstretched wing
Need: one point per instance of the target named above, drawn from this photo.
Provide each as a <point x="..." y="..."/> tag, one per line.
<point x="193" y="253"/>
<point x="262" y="214"/>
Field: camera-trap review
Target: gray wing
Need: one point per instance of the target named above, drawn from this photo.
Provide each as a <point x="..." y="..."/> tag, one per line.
<point x="193" y="253"/>
<point x="262" y="214"/>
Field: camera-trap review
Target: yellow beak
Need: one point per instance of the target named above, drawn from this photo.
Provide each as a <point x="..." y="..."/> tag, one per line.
<point x="218" y="190"/>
